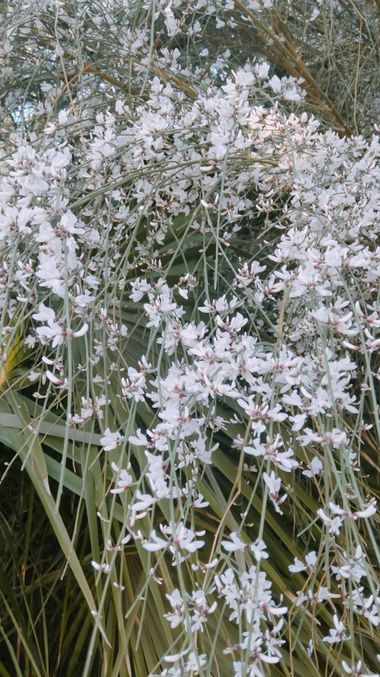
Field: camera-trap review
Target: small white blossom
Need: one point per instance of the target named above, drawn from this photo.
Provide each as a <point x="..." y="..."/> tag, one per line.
<point x="338" y="633"/>
<point x="110" y="440"/>
<point x="103" y="568"/>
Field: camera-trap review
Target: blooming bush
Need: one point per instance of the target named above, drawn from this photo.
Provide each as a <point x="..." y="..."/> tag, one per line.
<point x="191" y="263"/>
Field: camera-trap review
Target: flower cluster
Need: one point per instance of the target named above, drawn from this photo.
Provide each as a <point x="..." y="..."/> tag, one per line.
<point x="206" y="307"/>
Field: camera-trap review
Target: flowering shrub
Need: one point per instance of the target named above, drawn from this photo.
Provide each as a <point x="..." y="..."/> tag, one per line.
<point x="195" y="272"/>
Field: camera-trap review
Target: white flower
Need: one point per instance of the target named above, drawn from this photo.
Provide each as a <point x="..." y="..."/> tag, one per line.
<point x="176" y="617"/>
<point x="273" y="484"/>
<point x="367" y="510"/>
<point x="234" y="544"/>
<point x="298" y="566"/>
<point x="336" y="634"/>
<point x="110" y="441"/>
<point x="352" y="567"/>
<point x="283" y="460"/>
<point x="141" y="504"/>
<point x="262" y="70"/>
<point x="157" y="475"/>
<point x="67" y="224"/>
<point x="103" y="568"/>
<point x="356" y="670"/>
<point x="334" y="524"/>
<point x="259" y="550"/>
<point x="155" y="543"/>
<point x="176" y="539"/>
<point x="53" y="333"/>
<point x="50" y="275"/>
<point x="45" y="314"/>
<point x="315" y="467"/>
<point x="123" y="481"/>
<point x="80" y="332"/>
<point x="56" y="380"/>
<point x="275" y="83"/>
<point x="139" y="439"/>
